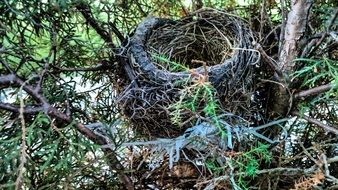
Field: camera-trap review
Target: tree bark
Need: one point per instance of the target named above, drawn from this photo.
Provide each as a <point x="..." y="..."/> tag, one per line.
<point x="281" y="98"/>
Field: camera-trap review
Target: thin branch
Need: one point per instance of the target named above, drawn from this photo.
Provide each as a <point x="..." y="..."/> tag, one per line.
<point x="262" y="20"/>
<point x="144" y="14"/>
<point x="184" y="10"/>
<point x="6" y="66"/>
<point x="307" y="153"/>
<point x="272" y="171"/>
<point x="314" y="91"/>
<point x="316" y="122"/>
<point x="41" y="77"/>
<point x="46" y="65"/>
<point x="98" y="67"/>
<point x="308" y="47"/>
<point x="332" y="19"/>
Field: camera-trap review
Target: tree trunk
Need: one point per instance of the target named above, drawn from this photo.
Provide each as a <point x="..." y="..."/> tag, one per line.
<point x="281" y="97"/>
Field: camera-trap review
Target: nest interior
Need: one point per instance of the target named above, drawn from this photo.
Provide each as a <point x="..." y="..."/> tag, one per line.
<point x="202" y="38"/>
<point x="207" y="41"/>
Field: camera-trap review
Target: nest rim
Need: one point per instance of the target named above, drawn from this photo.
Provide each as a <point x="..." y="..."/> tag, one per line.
<point x="139" y="55"/>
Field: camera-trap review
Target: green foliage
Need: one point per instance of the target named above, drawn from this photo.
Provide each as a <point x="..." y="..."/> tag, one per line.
<point x="197" y="96"/>
<point x="56" y="157"/>
<point x="198" y="99"/>
<point x="246" y="164"/>
<point x="317" y="72"/>
<point x="35" y="34"/>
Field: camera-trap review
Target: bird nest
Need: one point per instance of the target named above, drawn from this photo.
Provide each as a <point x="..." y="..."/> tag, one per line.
<point x="168" y="57"/>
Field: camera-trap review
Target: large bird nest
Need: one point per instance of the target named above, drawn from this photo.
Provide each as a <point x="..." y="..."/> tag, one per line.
<point x="214" y="45"/>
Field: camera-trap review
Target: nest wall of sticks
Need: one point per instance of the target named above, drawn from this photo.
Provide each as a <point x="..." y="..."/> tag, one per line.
<point x="180" y="69"/>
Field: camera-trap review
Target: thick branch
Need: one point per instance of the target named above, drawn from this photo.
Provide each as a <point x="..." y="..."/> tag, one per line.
<point x="294" y="31"/>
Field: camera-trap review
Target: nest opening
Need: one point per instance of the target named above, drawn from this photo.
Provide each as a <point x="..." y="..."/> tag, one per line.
<point x="193" y="41"/>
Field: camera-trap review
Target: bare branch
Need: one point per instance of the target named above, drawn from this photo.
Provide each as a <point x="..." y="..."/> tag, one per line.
<point x="316" y="122"/>
<point x="23" y="148"/>
<point x="325" y="34"/>
<point x="262" y="19"/>
<point x="26" y="110"/>
<point x="13" y="80"/>
<point x="314" y="91"/>
<point x="282" y="33"/>
<point x="332" y="19"/>
<point x="41" y="77"/>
